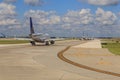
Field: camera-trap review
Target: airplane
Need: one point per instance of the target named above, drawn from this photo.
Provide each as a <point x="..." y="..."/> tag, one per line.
<point x="2" y="35"/>
<point x="39" y="37"/>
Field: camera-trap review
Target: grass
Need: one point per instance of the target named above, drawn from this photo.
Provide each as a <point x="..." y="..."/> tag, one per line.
<point x="112" y="47"/>
<point x="13" y="41"/>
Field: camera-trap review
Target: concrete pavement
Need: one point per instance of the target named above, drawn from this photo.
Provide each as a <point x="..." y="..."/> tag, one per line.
<point x="26" y="62"/>
<point x="92" y="55"/>
<point x="91" y="44"/>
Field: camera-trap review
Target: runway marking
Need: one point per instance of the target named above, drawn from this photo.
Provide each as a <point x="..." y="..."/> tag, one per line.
<point x="61" y="56"/>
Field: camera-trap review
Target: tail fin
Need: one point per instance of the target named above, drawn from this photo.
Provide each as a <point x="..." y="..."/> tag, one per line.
<point x="31" y="26"/>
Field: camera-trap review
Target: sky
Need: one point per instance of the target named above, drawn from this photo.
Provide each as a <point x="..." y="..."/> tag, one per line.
<point x="61" y="18"/>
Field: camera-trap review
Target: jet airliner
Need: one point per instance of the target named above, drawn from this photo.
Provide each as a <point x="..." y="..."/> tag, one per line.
<point x="39" y="37"/>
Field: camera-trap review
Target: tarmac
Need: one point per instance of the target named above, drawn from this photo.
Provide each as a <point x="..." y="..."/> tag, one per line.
<point x="91" y="44"/>
<point x="92" y="55"/>
<point x="26" y="62"/>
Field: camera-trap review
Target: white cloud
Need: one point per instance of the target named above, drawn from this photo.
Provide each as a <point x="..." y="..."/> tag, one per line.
<point x="7" y="22"/>
<point x="83" y="16"/>
<point x="54" y="19"/>
<point x="7" y="9"/>
<point x="84" y="20"/>
<point x="7" y="14"/>
<point x="102" y="2"/>
<point x="105" y="17"/>
<point x="34" y="2"/>
<point x="43" y="18"/>
<point x="73" y="22"/>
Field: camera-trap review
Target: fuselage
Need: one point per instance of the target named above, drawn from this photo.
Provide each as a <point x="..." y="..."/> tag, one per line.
<point x="40" y="37"/>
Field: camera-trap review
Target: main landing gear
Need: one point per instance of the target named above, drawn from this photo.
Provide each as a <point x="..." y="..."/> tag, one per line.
<point x="49" y="42"/>
<point x="46" y="42"/>
<point x="32" y="43"/>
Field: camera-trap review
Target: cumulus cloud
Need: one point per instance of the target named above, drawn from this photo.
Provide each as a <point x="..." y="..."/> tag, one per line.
<point x="102" y="2"/>
<point x="7" y="9"/>
<point x="9" y="1"/>
<point x="43" y="18"/>
<point x="73" y="21"/>
<point x="105" y="17"/>
<point x="7" y="14"/>
<point x="34" y="2"/>
<point x="82" y="17"/>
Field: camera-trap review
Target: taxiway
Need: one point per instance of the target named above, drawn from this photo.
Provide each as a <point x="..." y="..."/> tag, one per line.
<point x="26" y="62"/>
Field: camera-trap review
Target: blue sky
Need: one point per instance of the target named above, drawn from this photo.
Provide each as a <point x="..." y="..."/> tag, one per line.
<point x="68" y="18"/>
<point x="60" y="6"/>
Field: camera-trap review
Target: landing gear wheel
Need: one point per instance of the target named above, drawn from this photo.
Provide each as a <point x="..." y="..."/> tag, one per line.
<point x="32" y="43"/>
<point x="47" y="43"/>
<point x="52" y="42"/>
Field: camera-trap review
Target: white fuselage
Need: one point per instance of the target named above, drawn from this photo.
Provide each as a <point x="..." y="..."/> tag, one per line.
<point x="40" y="37"/>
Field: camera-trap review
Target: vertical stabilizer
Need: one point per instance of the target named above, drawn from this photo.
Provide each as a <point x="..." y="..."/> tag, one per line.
<point x="31" y="26"/>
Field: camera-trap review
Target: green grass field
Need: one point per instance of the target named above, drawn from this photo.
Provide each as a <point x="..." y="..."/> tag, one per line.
<point x="13" y="41"/>
<point x="113" y="47"/>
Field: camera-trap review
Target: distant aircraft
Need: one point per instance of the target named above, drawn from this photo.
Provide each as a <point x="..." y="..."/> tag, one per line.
<point x="39" y="37"/>
<point x="2" y="35"/>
